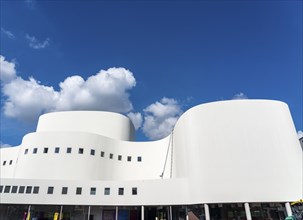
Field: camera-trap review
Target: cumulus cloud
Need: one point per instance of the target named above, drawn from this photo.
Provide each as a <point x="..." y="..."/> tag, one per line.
<point x="240" y="95"/>
<point x="108" y="90"/>
<point x="160" y="118"/>
<point x="35" y="43"/>
<point x="8" y="33"/>
<point x="7" y="70"/>
<point x="136" y="118"/>
<point x="4" y="145"/>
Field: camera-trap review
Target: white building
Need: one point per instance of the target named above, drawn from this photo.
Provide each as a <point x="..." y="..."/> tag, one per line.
<point x="238" y="159"/>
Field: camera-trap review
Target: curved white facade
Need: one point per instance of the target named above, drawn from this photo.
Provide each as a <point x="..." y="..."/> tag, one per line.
<point x="235" y="151"/>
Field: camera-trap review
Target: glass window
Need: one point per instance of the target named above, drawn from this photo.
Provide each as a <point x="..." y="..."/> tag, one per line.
<point x="69" y="150"/>
<point x="36" y="190"/>
<point x="10" y="162"/>
<point x="134" y="191"/>
<point x="21" y="189"/>
<point x="78" y="190"/>
<point x="57" y="149"/>
<point x="64" y="190"/>
<point x="14" y="189"/>
<point x="45" y="150"/>
<point x="129" y="158"/>
<point x="92" y="152"/>
<point x="1" y="189"/>
<point x="50" y="190"/>
<point x="7" y="189"/>
<point x="25" y="151"/>
<point x="28" y="190"/>
<point x="102" y="153"/>
<point x="119" y="157"/>
<point x="139" y="159"/>
<point x="93" y="190"/>
<point x="81" y="150"/>
<point x="4" y="162"/>
<point x="121" y="191"/>
<point x="111" y="156"/>
<point x="35" y="150"/>
<point x="106" y="191"/>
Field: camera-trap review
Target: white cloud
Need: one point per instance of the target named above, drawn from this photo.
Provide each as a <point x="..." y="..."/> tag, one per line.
<point x="5" y="145"/>
<point x="240" y="95"/>
<point x="7" y="70"/>
<point x="300" y="134"/>
<point x="35" y="44"/>
<point x="26" y="100"/>
<point x="136" y="118"/>
<point x="160" y="118"/>
<point x="8" y="33"/>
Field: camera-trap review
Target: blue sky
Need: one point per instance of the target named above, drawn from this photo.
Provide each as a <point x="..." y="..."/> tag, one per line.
<point x="158" y="58"/>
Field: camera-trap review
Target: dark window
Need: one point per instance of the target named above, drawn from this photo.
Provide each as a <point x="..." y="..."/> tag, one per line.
<point x="93" y="190"/>
<point x="64" y="190"/>
<point x="25" y="151"/>
<point x="102" y="153"/>
<point x="36" y="190"/>
<point x="10" y="162"/>
<point x="139" y="159"/>
<point x="35" y="150"/>
<point x="45" y="150"/>
<point x="57" y="149"/>
<point x="50" y="190"/>
<point x="121" y="191"/>
<point x="81" y="150"/>
<point x="21" y="189"/>
<point x="69" y="150"/>
<point x="28" y="190"/>
<point x="7" y="189"/>
<point x="14" y="189"/>
<point x="4" y="162"/>
<point x="78" y="190"/>
<point x="119" y="157"/>
<point x="111" y="156"/>
<point x="134" y="191"/>
<point x="1" y="189"/>
<point x="106" y="191"/>
<point x="92" y="152"/>
<point x="129" y="158"/>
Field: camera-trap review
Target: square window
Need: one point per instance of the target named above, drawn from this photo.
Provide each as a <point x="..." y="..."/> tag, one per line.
<point x="106" y="191"/>
<point x="93" y="190"/>
<point x="102" y="153"/>
<point x="121" y="191"/>
<point x="129" y="158"/>
<point x="35" y="150"/>
<point x="57" y="149"/>
<point x="50" y="190"/>
<point x="1" y="189"/>
<point x="36" y="190"/>
<point x="111" y="156"/>
<point x="28" y="190"/>
<point x="134" y="191"/>
<point x="4" y="162"/>
<point x="92" y="152"/>
<point x="139" y="158"/>
<point x="68" y="150"/>
<point x="21" y="189"/>
<point x="78" y="190"/>
<point x="14" y="189"/>
<point x="64" y="190"/>
<point x="81" y="150"/>
<point x="45" y="150"/>
<point x="10" y="162"/>
<point x="119" y="157"/>
<point x="7" y="189"/>
<point x="25" y="151"/>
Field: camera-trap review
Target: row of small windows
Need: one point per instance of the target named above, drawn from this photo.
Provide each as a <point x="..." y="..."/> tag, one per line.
<point x="81" y="151"/>
<point x="64" y="190"/>
<point x="10" y="162"/>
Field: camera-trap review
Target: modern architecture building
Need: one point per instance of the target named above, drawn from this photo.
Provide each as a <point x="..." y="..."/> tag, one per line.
<point x="237" y="159"/>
